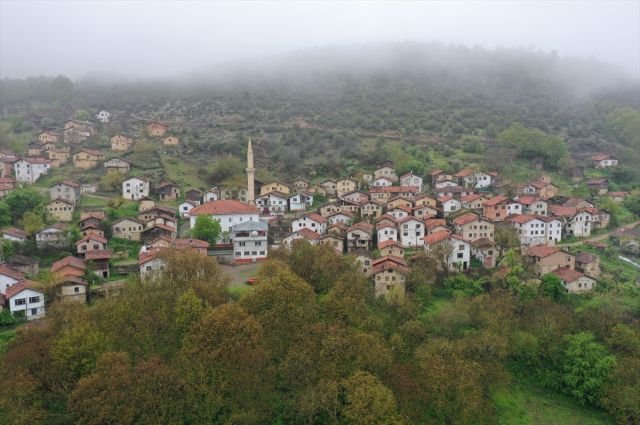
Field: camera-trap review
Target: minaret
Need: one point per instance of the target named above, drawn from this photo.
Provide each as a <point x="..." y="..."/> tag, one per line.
<point x="250" y="173"/>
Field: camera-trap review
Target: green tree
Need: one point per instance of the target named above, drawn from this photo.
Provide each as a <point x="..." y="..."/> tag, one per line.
<point x="462" y="284"/>
<point x="207" y="228"/>
<point x="31" y="223"/>
<point x="82" y="115"/>
<point x="112" y="181"/>
<point x="20" y="201"/>
<point x="77" y="348"/>
<point x="551" y="286"/>
<point x="368" y="401"/>
<point x="225" y="169"/>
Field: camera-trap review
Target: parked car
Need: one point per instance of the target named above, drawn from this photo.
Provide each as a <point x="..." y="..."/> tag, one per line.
<point x="277" y="213"/>
<point x="253" y="280"/>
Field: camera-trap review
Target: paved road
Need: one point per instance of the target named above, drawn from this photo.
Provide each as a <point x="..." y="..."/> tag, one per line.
<point x="596" y="238"/>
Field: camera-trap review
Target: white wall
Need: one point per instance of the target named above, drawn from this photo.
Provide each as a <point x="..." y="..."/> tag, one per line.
<point x="227" y="221"/>
<point x="26" y="295"/>
<point x="415" y="231"/>
<point x="387" y="233"/>
<point x="5" y="282"/>
<point x="137" y="188"/>
<point x="27" y="172"/>
<point x="310" y="224"/>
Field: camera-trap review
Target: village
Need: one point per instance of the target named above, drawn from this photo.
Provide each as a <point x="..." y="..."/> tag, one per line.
<point x="470" y="217"/>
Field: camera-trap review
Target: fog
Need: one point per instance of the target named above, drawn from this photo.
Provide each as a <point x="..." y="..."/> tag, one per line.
<point x="149" y="39"/>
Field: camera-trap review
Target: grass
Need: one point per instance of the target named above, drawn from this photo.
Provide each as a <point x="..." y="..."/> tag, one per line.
<point x="87" y="201"/>
<point x="526" y="404"/>
<point x="5" y="336"/>
<point x="237" y="291"/>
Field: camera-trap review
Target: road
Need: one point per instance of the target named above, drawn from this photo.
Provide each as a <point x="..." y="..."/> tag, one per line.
<point x="596" y="238"/>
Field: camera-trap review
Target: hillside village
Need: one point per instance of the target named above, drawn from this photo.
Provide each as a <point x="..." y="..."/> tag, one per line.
<point x="464" y="221"/>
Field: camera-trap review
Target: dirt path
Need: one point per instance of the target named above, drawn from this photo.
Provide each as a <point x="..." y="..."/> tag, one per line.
<point x="241" y="273"/>
<point x="596" y="238"/>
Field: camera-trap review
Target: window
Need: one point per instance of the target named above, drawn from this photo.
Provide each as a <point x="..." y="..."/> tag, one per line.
<point x="20" y="301"/>
<point x="258" y="243"/>
<point x="34" y="311"/>
<point x="242" y="243"/>
<point x="246" y="253"/>
<point x="461" y="247"/>
<point x="76" y="289"/>
<point x="238" y="254"/>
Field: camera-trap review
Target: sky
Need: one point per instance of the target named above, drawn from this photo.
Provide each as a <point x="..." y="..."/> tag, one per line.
<point x="165" y="38"/>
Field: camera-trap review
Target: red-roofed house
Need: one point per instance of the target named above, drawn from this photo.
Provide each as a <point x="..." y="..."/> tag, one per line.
<point x="548" y="258"/>
<point x="412" y="230"/>
<point x="400" y="211"/>
<point x="411" y="179"/>
<point x="499" y="207"/>
<point x="9" y="277"/>
<point x="68" y="266"/>
<point x="67" y="190"/>
<point x="26" y="296"/>
<point x="384" y="193"/>
<point x="314" y="222"/>
<point x="360" y="235"/>
<point x="389" y="276"/>
<point x="618" y="197"/>
<point x="532" y="205"/>
<point x="536" y="229"/>
<point x="14" y="234"/>
<point x="229" y="213"/>
<point x="382" y="181"/>
<point x="391" y="247"/>
<point x="341" y="217"/>
<point x="156" y="128"/>
<point x="574" y="282"/>
<point x="439" y="175"/>
<point x="302" y="233"/>
<point x="30" y="169"/>
<point x="91" y="242"/>
<point x="449" y="204"/>
<point x="473" y="202"/>
<point x="603" y="161"/>
<point x="459" y="246"/>
<point x="574" y="222"/>
<point x="601" y="185"/>
<point x="472" y="227"/>
<point x="474" y="178"/>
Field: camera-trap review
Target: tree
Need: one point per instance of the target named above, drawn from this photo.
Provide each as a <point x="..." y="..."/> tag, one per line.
<point x="506" y="238"/>
<point x="632" y="203"/>
<point x="368" y="401"/>
<point x="77" y="348"/>
<point x="440" y="257"/>
<point x="112" y="181"/>
<point x="82" y="115"/>
<point x="207" y="228"/>
<point x="551" y="286"/>
<point x="623" y="395"/>
<point x="567" y="164"/>
<point x="462" y="284"/>
<point x="225" y="169"/>
<point x="611" y="206"/>
<point x="31" y="223"/>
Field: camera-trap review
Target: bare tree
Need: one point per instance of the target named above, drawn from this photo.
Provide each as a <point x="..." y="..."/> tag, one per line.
<point x="440" y="256"/>
<point x="506" y="237"/>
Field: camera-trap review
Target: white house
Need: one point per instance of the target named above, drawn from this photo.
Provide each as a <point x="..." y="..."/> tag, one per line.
<point x="229" y="212"/>
<point x="211" y="195"/>
<point x="300" y="201"/>
<point x="412" y="231"/>
<point x="14" y="234"/>
<point x="104" y="116"/>
<point x="51" y="235"/>
<point x="460" y="247"/>
<point x="449" y="204"/>
<point x="574" y="282"/>
<point x="474" y="178"/>
<point x="25" y="296"/>
<point x="340" y="217"/>
<point x="314" y="222"/>
<point x="185" y="206"/>
<point x="382" y="181"/>
<point x="149" y="264"/>
<point x="386" y="232"/>
<point x="536" y="229"/>
<point x="444" y="183"/>
<point x="8" y="278"/>
<point x="411" y="179"/>
<point x="250" y="241"/>
<point x="30" y="169"/>
<point x="578" y="222"/>
<point x="401" y="211"/>
<point x="273" y="202"/>
<point x="135" y="187"/>
<point x="303" y="233"/>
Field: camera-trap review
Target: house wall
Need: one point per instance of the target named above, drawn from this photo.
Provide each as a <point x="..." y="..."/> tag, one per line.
<point x="392" y="250"/>
<point x="345" y="186"/>
<point x="334" y="243"/>
<point x="411" y="233"/>
<point x="169" y="194"/>
<point x="67" y="192"/>
<point x="412" y="181"/>
<point x="30" y="301"/>
<point x="475" y="230"/>
<point x="250" y="249"/>
<point x="386" y="172"/>
<point x="227" y="221"/>
<point x="499" y="212"/>
<point x="127" y="229"/>
<point x="382" y="182"/>
<point x="310" y="224"/>
<point x="27" y="172"/>
<point x="62" y="210"/>
<point x="149" y="267"/>
<point x="461" y="252"/>
<point x="590" y="269"/>
<point x="85" y="161"/>
<point x="121" y="143"/>
<point x="90" y="245"/>
<point x="274" y="186"/>
<point x="536" y="208"/>
<point x="371" y="210"/>
<point x="387" y="233"/>
<point x="208" y="197"/>
<point x="389" y="283"/>
<point x="358" y="239"/>
<point x="73" y="292"/>
<point x="68" y="270"/>
<point x="581" y="284"/>
<point x="6" y="282"/>
<point x="135" y="188"/>
<point x="554" y="261"/>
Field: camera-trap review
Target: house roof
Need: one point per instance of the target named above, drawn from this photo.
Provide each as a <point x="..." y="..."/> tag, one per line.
<point x="339" y="225"/>
<point x="224" y="207"/>
<point x="394" y="258"/>
<point x="92" y="236"/>
<point x="276" y="194"/>
<point x="21" y="286"/>
<point x="390" y="242"/>
<point x="409" y="218"/>
<point x="343" y="212"/>
<point x="437" y="237"/>
<point x="389" y="265"/>
<point x="136" y="177"/>
<point x="383" y="178"/>
<point x="165" y="185"/>
<point x="574" y="202"/>
<point x="559" y="211"/>
<point x="618" y="193"/>
<point x="601" y="157"/>
<point x="468" y="171"/>
<point x="317" y="217"/>
<point x="58" y="199"/>
<point x="160" y="226"/>
<point x="69" y="261"/>
<point x="279" y="182"/>
<point x="12" y="273"/>
<point x="308" y="233"/>
<point x="97" y="254"/>
<point x="395" y="198"/>
<point x="120" y="159"/>
<point x="91" y="226"/>
<point x="35" y="160"/>
<point x="409" y="174"/>
<point x="528" y="200"/>
<point x="7" y="180"/>
<point x="470" y="198"/>
<point x="301" y="179"/>
<point x="454" y="189"/>
<point x="447" y="198"/>
<point x="21" y="259"/>
<point x="402" y="208"/>
<point x="567" y="274"/>
<point x="483" y="243"/>
<point x="146" y="259"/>
<point x="542" y="250"/>
<point x="186" y="201"/>
<point x="383" y="225"/>
<point x="393" y="189"/>
<point x="79" y="122"/>
<point x="495" y="200"/>
<point x="585" y="257"/>
<point x="68" y="183"/>
<point x="436" y="172"/>
<point x="364" y="226"/>
<point x="596" y="181"/>
<point x="4" y="187"/>
<point x="466" y="219"/>
<point x="387" y="216"/>
<point x="90" y="152"/>
<point x="99" y="216"/>
<point x="135" y="220"/>
<point x="69" y="278"/>
<point x="16" y="233"/>
<point x="626" y="231"/>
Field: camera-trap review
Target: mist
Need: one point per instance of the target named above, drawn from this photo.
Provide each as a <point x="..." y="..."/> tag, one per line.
<point x="187" y="39"/>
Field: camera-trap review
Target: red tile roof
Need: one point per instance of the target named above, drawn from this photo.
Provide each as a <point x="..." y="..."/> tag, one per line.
<point x="365" y="227"/>
<point x="454" y="189"/>
<point x="66" y="201"/>
<point x="147" y="258"/>
<point x="37" y="160"/>
<point x="599" y="157"/>
<point x="317" y="217"/>
<point x="559" y="211"/>
<point x="90" y="152"/>
<point x="585" y="257"/>
<point x="69" y="261"/>
<point x="190" y="243"/>
<point x="7" y="180"/>
<point x="394" y="258"/>
<point x="21" y="286"/>
<point x="596" y="181"/>
<point x="383" y="225"/>
<point x="383" y="177"/>
<point x="389" y="265"/>
<point x="393" y="189"/>
<point x="97" y="254"/>
<point x="618" y="193"/>
<point x="98" y="216"/>
<point x="468" y="172"/>
<point x="567" y="274"/>
<point x="390" y="242"/>
<point x="528" y="200"/>
<point x="541" y="251"/>
<point x="308" y="233"/>
<point x="445" y="199"/>
<point x="466" y="219"/>
<point x="70" y="183"/>
<point x="339" y="225"/>
<point x="165" y="185"/>
<point x="436" y="172"/>
<point x="403" y="208"/>
<point x="224" y="207"/>
<point x="344" y="212"/>
<point x="495" y="200"/>
<point x="409" y="218"/>
<point x="388" y="217"/>
<point x="92" y="236"/>
<point x="12" y="273"/>
<point x="436" y="237"/>
<point x="16" y="233"/>
<point x="470" y="198"/>
<point x="160" y="226"/>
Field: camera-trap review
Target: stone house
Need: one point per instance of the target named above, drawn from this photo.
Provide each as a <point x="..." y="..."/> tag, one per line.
<point x="23" y="264"/>
<point x="51" y="235"/>
<point x="473" y="202"/>
<point x="68" y="266"/>
<point x="549" y="258"/>
<point x="168" y="192"/>
<point x="435" y="225"/>
<point x="599" y="218"/>
<point x="156" y="211"/>
<point x="317" y="188"/>
<point x="365" y="258"/>
<point x="74" y="135"/>
<point x="158" y="230"/>
<point x="92" y="229"/>
<point x="399" y="201"/>
<point x="384" y="193"/>
<point x="117" y="165"/>
<point x="439" y="175"/>
<point x="472" y="227"/>
<point x="302" y="233"/>
<point x="121" y="142"/>
<point x="601" y="185"/>
<point x="300" y="184"/>
<point x="355" y="196"/>
<point x="61" y="208"/>
<point x="157" y="129"/>
<point x="193" y="195"/>
<point x="5" y="191"/>
<point x="146" y="203"/>
<point x="574" y="282"/>
<point x="93" y="218"/>
<point x="335" y="241"/>
<point x="360" y="235"/>
<point x="91" y="242"/>
<point x="58" y="157"/>
<point x="330" y="186"/>
<point x="346" y="185"/>
<point x="87" y="158"/>
<point x="618" y="197"/>
<point x="171" y="141"/>
<point x="100" y="259"/>
<point x="603" y="161"/>
<point x="424" y="200"/>
<point x="72" y="289"/>
<point x="578" y="173"/>
<point x="389" y="276"/>
<point x="588" y="264"/>
<point x="127" y="228"/>
<point x="383" y="170"/>
<point x="36" y="148"/>
<point x="50" y="136"/>
<point x="337" y="229"/>
<point x="391" y="247"/>
<point x="66" y="190"/>
<point x="532" y="205"/>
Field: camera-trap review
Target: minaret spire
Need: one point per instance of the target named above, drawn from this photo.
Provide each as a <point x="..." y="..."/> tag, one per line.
<point x="250" y="174"/>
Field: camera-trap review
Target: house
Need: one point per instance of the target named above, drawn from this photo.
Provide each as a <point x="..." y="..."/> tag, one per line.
<point x="449" y="204"/>
<point x="7" y="166"/>
<point x="23" y="264"/>
<point x="93" y="218"/>
<point x="66" y="190"/>
<point x="6" y="181"/>
<point x="389" y="276"/>
<point x="80" y="125"/>
<point x="536" y="229"/>
<point x="135" y="188"/>
<point x="360" y="235"/>
<point x="88" y="188"/>
<point x="300" y="184"/>
<point x="382" y="181"/>
<point x="36" y="148"/>
<point x="117" y="165"/>
<point x="193" y="195"/>
<point x="387" y="218"/>
<point x="158" y="230"/>
<point x="91" y="242"/>
<point x="454" y="191"/>
<point x="599" y="218"/>
<point x="50" y="136"/>
<point x="577" y="203"/>
<point x="75" y="135"/>
<point x="386" y="232"/>
<point x="14" y="234"/>
<point x="100" y="259"/>
<point x="618" y="197"/>
<point x="411" y="179"/>
<point x="317" y="188"/>
<point x="61" y="208"/>
<point x="574" y="222"/>
<point x="162" y="218"/>
<point x="460" y="247"/>
<point x="26" y="296"/>
<point x="9" y="277"/>
<point x="149" y="264"/>
<point x="155" y="212"/>
<point x="168" y="192"/>
<point x="435" y="225"/>
<point x="601" y="185"/>
<point x="499" y="207"/>
<point x="372" y="208"/>
<point x="30" y="169"/>
<point x="171" y="141"/>
<point x="105" y="116"/>
<point x="532" y="205"/>
<point x="87" y="158"/>
<point x="301" y="201"/>
<point x="92" y="229"/>
<point x="146" y="203"/>
<point x="330" y="187"/>
<point x="574" y="282"/>
<point x="68" y="266"/>
<point x="383" y="169"/>
<point x="157" y="129"/>
<point x="485" y="251"/>
<point x="127" y="228"/>
<point x="355" y="196"/>
<point x="424" y="200"/>
<point x="411" y="231"/>
<point x="272" y="202"/>
<point x="588" y="264"/>
<point x="423" y="211"/>
<point x="399" y="201"/>
<point x="195" y="246"/>
<point x="473" y="202"/>
<point x="362" y="175"/>
<point x="8" y="154"/>
<point x="391" y="247"/>
<point x="578" y="173"/>
<point x="302" y="233"/>
<point x="230" y="213"/>
<point x="275" y="186"/>
<point x="365" y="258"/>
<point x="58" y="157"/>
<point x="250" y="242"/>
<point x="72" y="289"/>
<point x="52" y="235"/>
<point x="545" y="189"/>
<point x="314" y="222"/>
<point x="439" y="175"/>
<point x="341" y="217"/>
<point x="472" y="227"/>
<point x="335" y="241"/>
<point x="337" y="229"/>
<point x="445" y="183"/>
<point x="5" y="191"/>
<point x="474" y="178"/>
<point x="121" y="142"/>
<point x="346" y="185"/>
<point x="384" y="193"/>
<point x="211" y="195"/>
<point x="603" y="161"/>
<point x="400" y="211"/>
<point x="185" y="206"/>
<point x="549" y="258"/>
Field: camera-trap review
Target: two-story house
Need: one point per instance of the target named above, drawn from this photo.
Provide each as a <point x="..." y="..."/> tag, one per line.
<point x="391" y="247"/>
<point x="603" y="161"/>
<point x="536" y="229"/>
<point x="273" y="202"/>
<point x="250" y="241"/>
<point x="61" y="208"/>
<point x="459" y="246"/>
<point x="360" y="235"/>
<point x="314" y="222"/>
<point x="91" y="242"/>
<point x="57" y="156"/>
<point x="75" y="135"/>
<point x="532" y="205"/>
<point x="601" y="185"/>
<point x="27" y="296"/>
<point x="474" y="178"/>
<point x="135" y="188"/>
<point x="66" y="190"/>
<point x="573" y="281"/>
<point x="51" y="235"/>
<point x="382" y="181"/>
<point x="301" y="201"/>
<point x="499" y="207"/>
<point x="385" y="232"/>
<point x="472" y="227"/>
<point x="300" y="184"/>
<point x="50" y="136"/>
<point x="168" y="192"/>
<point x="449" y="204"/>
<point x="117" y="165"/>
<point x="385" y="169"/>
<point x="549" y="258"/>
<point x="389" y="276"/>
<point x="127" y="228"/>
<point x="410" y="179"/>
<point x="275" y="186"/>
<point x="87" y="158"/>
<point x="229" y="212"/>
<point x="412" y="230"/>
<point x="121" y="142"/>
<point x="372" y="208"/>
<point x="30" y="169"/>
<point x="105" y="116"/>
<point x="346" y="185"/>
<point x="439" y="175"/>
<point x="302" y="233"/>
<point x="157" y="128"/>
